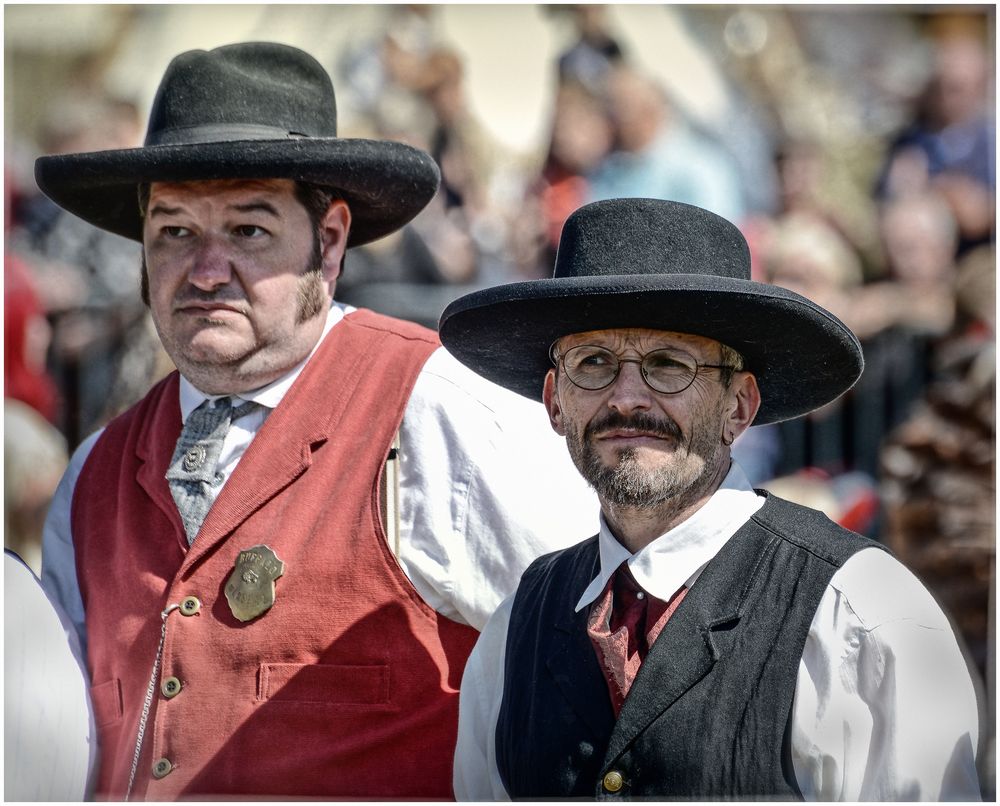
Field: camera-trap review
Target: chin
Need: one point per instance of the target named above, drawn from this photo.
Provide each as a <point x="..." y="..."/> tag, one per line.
<point x="216" y="345"/>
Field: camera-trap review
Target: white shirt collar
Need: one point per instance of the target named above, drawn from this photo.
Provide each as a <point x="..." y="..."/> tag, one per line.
<point x="677" y="557"/>
<point x="269" y="396"/>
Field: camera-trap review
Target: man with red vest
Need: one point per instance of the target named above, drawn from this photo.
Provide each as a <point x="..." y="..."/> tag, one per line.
<point x="264" y="614"/>
<point x="711" y="642"/>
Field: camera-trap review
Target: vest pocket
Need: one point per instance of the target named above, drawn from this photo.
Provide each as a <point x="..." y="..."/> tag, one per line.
<point x="323" y="684"/>
<point x="107" y="701"/>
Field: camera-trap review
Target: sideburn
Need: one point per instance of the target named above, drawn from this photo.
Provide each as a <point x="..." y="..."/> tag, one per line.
<point x="144" y="280"/>
<point x="311" y="298"/>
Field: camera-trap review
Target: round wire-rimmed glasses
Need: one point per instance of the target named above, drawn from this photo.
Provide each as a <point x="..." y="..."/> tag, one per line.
<point x="666" y="370"/>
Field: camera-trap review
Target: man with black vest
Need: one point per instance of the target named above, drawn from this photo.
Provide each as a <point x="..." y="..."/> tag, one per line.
<point x="712" y="641"/>
<point x="279" y="558"/>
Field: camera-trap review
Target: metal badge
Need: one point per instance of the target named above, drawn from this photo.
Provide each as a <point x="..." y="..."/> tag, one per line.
<point x="194" y="458"/>
<point x="250" y="589"/>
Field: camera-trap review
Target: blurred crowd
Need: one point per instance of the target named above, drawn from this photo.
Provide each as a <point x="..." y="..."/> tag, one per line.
<point x="861" y="172"/>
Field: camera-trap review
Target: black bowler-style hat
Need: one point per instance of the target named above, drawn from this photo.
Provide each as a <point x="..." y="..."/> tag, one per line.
<point x="667" y="266"/>
<point x="254" y="110"/>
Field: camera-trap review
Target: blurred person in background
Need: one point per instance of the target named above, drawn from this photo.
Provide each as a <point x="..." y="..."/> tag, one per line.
<point x="410" y="85"/>
<point x="580" y="138"/>
<point x="659" y="155"/>
<point x="804" y="253"/>
<point x="595" y="49"/>
<point x="35" y="452"/>
<point x="950" y="146"/>
<point x="919" y="240"/>
<point x="103" y="352"/>
<point x="283" y="553"/>
<point x="806" y="190"/>
<point x="938" y="480"/>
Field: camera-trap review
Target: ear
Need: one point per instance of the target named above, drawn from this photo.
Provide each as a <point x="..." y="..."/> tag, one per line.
<point x="742" y="404"/>
<point x="550" y="397"/>
<point x="334" y="227"/>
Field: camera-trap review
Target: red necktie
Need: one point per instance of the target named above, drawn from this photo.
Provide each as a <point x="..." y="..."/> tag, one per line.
<point x="623" y="623"/>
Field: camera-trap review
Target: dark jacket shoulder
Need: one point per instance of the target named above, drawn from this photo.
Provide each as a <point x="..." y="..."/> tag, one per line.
<point x="809" y="529"/>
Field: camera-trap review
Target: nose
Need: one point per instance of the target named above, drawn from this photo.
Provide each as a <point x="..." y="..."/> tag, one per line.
<point x="629" y="391"/>
<point x="211" y="266"/>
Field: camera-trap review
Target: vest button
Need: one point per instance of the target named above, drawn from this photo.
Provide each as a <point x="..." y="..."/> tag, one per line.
<point x="190" y="605"/>
<point x="162" y="768"/>
<point x="171" y="687"/>
<point x="613" y="781"/>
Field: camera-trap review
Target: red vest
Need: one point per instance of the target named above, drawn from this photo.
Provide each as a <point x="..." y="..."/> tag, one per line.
<point x="347" y="686"/>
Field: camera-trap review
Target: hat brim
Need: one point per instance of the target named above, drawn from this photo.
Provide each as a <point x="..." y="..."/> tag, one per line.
<point x="385" y="183"/>
<point x="802" y="356"/>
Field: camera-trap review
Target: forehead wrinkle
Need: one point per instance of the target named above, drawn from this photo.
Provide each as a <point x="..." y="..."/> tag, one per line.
<point x="258" y="190"/>
<point x="252" y="196"/>
<point x="643" y="340"/>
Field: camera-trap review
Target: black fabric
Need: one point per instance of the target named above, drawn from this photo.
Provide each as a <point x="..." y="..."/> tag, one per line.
<point x="708" y="713"/>
<point x="253" y="110"/>
<point x="666" y="266"/>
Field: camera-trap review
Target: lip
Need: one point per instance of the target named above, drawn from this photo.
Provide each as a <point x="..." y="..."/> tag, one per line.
<point x="207" y="309"/>
<point x="630" y="435"/>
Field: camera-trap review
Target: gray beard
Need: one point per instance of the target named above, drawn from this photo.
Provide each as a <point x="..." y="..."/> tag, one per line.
<point x="629" y="484"/>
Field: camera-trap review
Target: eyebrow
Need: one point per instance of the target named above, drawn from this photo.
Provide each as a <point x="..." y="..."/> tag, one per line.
<point x="257" y="206"/>
<point x="161" y="209"/>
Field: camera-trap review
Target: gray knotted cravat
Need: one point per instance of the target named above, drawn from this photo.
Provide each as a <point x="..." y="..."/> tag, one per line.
<point x="192" y="472"/>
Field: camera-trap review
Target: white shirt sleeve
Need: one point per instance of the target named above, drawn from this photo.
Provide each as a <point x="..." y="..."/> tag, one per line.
<point x="885" y="707"/>
<point x="486" y="486"/>
<point x="475" y="772"/>
<point x="50" y="744"/>
<point x="58" y="558"/>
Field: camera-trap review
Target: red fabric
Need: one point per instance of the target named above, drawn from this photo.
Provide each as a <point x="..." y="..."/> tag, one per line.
<point x="24" y="375"/>
<point x="623" y="624"/>
<point x="347" y="686"/>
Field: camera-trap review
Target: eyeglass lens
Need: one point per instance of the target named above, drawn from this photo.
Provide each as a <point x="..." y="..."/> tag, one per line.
<point x="666" y="371"/>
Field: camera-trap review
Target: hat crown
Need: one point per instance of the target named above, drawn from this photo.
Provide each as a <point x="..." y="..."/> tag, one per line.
<point x="650" y="236"/>
<point x="246" y="91"/>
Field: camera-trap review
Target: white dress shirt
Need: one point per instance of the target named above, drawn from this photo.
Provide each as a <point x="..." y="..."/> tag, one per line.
<point x="884" y="705"/>
<point x="50" y="744"/>
<point x="485" y="487"/>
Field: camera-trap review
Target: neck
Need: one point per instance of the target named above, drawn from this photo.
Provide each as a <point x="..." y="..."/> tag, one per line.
<point x="637" y="527"/>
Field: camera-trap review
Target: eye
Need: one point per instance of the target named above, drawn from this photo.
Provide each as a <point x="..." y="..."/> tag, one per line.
<point x="175" y="232"/>
<point x="665" y="361"/>
<point x="589" y="357"/>
<point x="594" y="360"/>
<point x="249" y="231"/>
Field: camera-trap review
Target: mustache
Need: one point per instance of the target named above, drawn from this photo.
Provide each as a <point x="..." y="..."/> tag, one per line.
<point x="640" y="421"/>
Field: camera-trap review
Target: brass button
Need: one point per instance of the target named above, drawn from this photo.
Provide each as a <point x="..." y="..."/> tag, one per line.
<point x="171" y="687"/>
<point x="162" y="768"/>
<point x="613" y="781"/>
<point x="190" y="605"/>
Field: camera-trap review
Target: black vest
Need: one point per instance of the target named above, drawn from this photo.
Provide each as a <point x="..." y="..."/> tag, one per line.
<point x="708" y="714"/>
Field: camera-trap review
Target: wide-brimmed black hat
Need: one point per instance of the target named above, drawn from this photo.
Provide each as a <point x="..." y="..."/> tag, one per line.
<point x="667" y="266"/>
<point x="255" y="110"/>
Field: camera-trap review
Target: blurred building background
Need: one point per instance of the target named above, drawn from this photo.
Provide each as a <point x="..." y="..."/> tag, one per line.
<point x="853" y="145"/>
